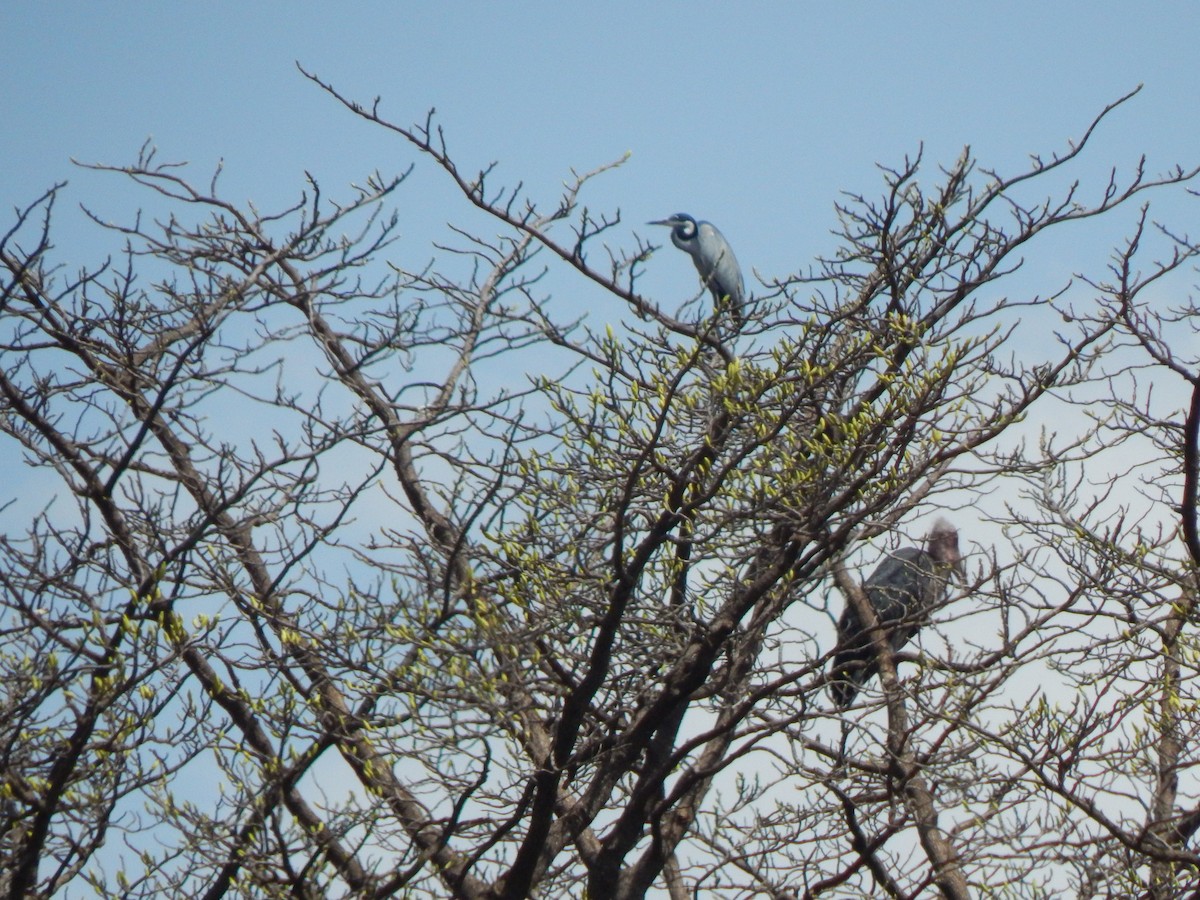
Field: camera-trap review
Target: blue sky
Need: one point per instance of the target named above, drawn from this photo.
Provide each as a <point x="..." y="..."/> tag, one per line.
<point x="752" y="115"/>
<point x="755" y="115"/>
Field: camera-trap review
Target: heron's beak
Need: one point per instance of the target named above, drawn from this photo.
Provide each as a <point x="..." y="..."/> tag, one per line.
<point x="661" y="222"/>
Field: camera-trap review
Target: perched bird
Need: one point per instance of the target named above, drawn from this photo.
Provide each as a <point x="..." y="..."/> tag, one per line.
<point x="714" y="259"/>
<point x="902" y="590"/>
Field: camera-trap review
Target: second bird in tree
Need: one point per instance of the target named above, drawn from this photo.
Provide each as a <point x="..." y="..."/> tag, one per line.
<point x="903" y="590"/>
<point x="714" y="259"/>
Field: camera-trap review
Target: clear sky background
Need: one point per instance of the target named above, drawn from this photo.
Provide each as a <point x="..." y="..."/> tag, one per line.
<point x="756" y="116"/>
<point x="753" y="115"/>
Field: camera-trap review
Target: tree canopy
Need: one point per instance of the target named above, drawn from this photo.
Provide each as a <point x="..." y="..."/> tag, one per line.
<point x="347" y="575"/>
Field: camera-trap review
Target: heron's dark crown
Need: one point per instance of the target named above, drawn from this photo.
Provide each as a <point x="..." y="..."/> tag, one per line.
<point x="685" y="225"/>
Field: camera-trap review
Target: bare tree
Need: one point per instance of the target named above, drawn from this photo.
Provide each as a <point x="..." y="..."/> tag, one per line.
<point x="1118" y="753"/>
<point x="322" y="601"/>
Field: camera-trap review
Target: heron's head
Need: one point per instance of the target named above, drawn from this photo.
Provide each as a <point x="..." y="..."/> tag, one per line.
<point x="942" y="545"/>
<point x="681" y="224"/>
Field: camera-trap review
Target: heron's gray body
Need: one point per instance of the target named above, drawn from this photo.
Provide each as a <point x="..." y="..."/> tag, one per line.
<point x="902" y="591"/>
<point x="714" y="259"/>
